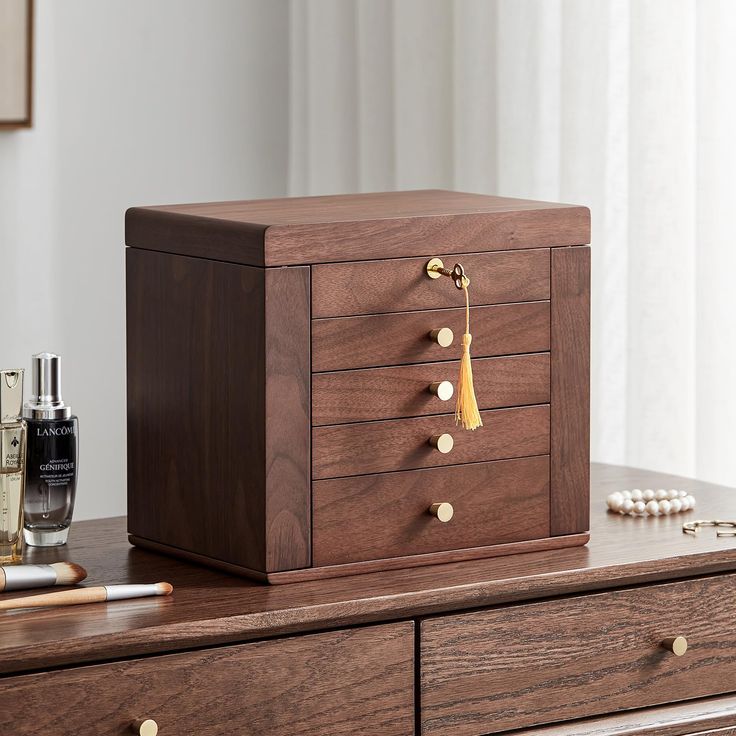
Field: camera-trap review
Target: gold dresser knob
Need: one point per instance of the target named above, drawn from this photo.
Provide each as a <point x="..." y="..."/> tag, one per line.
<point x="443" y="337"/>
<point x="443" y="511"/>
<point x="145" y="727"/>
<point x="443" y="390"/>
<point x="442" y="442"/>
<point x="676" y="644"/>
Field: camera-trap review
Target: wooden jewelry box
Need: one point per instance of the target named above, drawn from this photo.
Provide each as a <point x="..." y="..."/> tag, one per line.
<point x="283" y="362"/>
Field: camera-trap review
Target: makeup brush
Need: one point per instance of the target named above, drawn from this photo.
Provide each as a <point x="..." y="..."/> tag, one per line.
<point x="18" y="577"/>
<point x="97" y="594"/>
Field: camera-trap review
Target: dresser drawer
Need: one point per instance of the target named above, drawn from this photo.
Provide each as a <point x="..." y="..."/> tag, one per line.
<point x="387" y="515"/>
<point x="404" y="444"/>
<point x="581" y="656"/>
<point x="405" y="337"/>
<point x="402" y="284"/>
<point x="404" y="391"/>
<point x="358" y="681"/>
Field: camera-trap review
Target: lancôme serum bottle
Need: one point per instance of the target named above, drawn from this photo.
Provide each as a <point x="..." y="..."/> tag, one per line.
<point x="52" y="457"/>
<point x="12" y="466"/>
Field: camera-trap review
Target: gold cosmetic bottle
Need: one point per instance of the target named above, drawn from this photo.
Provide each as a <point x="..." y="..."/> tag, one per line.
<point x="12" y="465"/>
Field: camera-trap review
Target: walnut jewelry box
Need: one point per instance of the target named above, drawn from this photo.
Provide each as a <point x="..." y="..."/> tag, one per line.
<point x="288" y="364"/>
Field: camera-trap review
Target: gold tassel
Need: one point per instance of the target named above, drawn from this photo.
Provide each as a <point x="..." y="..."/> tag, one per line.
<point x="466" y="410"/>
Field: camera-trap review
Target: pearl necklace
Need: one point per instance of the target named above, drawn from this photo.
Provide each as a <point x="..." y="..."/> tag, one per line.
<point x="649" y="502"/>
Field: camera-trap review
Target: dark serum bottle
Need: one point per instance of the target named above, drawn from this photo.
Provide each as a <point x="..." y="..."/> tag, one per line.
<point x="51" y="458"/>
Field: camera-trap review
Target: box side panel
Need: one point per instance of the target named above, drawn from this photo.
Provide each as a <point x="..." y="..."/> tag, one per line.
<point x="287" y="395"/>
<point x="570" y="390"/>
<point x="196" y="406"/>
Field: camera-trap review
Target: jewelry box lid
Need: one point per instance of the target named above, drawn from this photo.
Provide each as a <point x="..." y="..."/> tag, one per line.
<point x="355" y="227"/>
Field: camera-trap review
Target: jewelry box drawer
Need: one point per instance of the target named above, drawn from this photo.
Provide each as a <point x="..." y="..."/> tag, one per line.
<point x="357" y="681"/>
<point x="402" y="284"/>
<point x="525" y="665"/>
<point x="407" y="391"/>
<point x="371" y="517"/>
<point x="422" y="337"/>
<point x="425" y="442"/>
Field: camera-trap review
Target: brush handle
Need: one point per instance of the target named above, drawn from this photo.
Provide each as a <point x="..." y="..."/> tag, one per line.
<point x="61" y="598"/>
<point x="87" y="595"/>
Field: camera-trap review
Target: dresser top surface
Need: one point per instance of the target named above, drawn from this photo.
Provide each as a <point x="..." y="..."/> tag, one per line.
<point x="209" y="607"/>
<point x="345" y="227"/>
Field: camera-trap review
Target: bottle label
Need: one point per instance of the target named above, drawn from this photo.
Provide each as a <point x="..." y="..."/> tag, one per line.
<point x="51" y="431"/>
<point x="11" y="448"/>
<point x="52" y="452"/>
<point x="51" y="475"/>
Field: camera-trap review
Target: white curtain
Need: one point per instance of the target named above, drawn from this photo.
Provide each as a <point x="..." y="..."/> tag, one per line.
<point x="628" y="106"/>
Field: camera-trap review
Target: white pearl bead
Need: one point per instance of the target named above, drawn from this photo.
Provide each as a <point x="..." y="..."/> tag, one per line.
<point x="655" y="503"/>
<point x="652" y="508"/>
<point x="614" y="501"/>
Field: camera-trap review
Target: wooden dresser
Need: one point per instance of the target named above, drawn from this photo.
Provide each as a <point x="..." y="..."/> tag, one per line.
<point x="554" y="643"/>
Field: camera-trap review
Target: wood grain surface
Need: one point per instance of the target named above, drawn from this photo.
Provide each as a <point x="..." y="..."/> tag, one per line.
<point x="195" y="431"/>
<point x="302" y="230"/>
<point x="386" y="393"/>
<point x="402" y="284"/>
<point x="219" y="430"/>
<point x="403" y="444"/>
<point x="444" y="557"/>
<point x="387" y="515"/>
<point x="349" y="569"/>
<point x="287" y="418"/>
<point x="210" y="607"/>
<point x="398" y="339"/>
<point x="570" y="390"/>
<point x="524" y="665"/>
<point x="711" y="716"/>
<point x="304" y="685"/>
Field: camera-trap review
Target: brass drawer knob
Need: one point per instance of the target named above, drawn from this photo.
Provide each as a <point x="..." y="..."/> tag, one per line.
<point x="443" y="390"/>
<point x="145" y="727"/>
<point x="443" y="336"/>
<point x="443" y="511"/>
<point x="442" y="442"/>
<point x="676" y="644"/>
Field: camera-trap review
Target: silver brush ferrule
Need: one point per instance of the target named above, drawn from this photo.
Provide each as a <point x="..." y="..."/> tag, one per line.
<point x="46" y="401"/>
<point x="20" y="577"/>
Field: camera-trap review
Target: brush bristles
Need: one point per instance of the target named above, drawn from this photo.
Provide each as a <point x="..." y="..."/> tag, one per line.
<point x="164" y="588"/>
<point x="68" y="573"/>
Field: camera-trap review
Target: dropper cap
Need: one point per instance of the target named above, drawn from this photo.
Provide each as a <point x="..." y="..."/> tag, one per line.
<point x="46" y="401"/>
<point x="11" y="395"/>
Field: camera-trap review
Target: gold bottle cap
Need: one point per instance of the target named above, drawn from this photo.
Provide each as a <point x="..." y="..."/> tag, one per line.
<point x="11" y="395"/>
